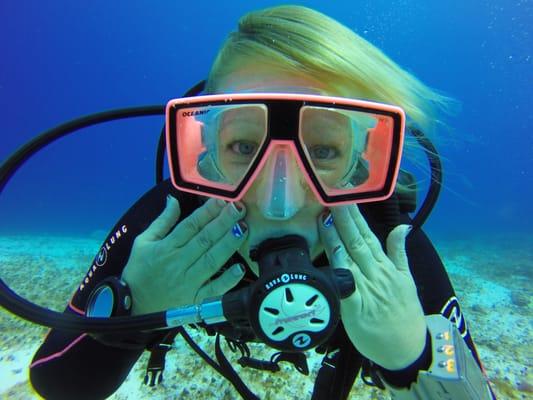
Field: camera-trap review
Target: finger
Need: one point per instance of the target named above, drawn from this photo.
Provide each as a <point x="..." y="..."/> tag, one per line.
<point x="365" y="231"/>
<point x="335" y="250"/>
<point x="194" y="223"/>
<point x="214" y="231"/>
<point x="222" y="284"/>
<point x="355" y="244"/>
<point x="396" y="247"/>
<point x="160" y="227"/>
<point x="210" y="262"/>
<point x="328" y="235"/>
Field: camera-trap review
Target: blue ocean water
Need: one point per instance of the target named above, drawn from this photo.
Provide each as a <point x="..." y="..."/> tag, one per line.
<point x="62" y="59"/>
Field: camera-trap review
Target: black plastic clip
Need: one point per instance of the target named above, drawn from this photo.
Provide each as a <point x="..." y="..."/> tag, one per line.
<point x="156" y="364"/>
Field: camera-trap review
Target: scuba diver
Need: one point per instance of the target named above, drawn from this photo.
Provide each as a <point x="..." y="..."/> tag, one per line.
<point x="289" y="157"/>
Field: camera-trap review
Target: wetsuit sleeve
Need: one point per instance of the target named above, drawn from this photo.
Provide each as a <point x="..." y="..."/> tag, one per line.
<point x="72" y="365"/>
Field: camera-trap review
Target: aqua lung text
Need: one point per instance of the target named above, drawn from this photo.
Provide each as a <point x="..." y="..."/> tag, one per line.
<point x="284" y="279"/>
<point x="101" y="257"/>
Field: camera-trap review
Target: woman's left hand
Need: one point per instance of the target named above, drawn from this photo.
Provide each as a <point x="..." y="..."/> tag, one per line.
<point x="383" y="317"/>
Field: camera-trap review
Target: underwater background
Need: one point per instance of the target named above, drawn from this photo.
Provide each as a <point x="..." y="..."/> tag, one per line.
<point x="63" y="59"/>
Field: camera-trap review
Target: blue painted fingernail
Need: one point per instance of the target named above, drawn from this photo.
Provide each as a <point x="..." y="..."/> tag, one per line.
<point x="327" y="219"/>
<point x="239" y="229"/>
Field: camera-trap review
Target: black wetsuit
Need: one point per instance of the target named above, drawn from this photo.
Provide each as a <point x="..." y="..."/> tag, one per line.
<point x="75" y="366"/>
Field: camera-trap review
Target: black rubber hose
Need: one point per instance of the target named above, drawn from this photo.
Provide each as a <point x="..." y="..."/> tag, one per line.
<point x="10" y="300"/>
<point x="436" y="178"/>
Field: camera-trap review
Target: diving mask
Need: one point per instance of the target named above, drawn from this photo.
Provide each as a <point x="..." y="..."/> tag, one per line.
<point x="347" y="150"/>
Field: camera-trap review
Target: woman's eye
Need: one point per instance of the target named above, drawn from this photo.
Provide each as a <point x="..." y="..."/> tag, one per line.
<point x="243" y="148"/>
<point x="323" y="152"/>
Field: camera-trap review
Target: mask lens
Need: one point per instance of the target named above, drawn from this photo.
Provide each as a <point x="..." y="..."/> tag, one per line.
<point x="218" y="144"/>
<point x="349" y="151"/>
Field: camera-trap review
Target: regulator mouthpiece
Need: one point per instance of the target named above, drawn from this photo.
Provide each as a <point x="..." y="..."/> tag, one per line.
<point x="292" y="306"/>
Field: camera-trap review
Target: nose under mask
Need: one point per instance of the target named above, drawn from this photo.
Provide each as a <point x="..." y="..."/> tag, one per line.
<point x="281" y="187"/>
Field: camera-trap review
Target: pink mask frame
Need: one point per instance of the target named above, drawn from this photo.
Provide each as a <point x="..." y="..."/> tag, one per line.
<point x="383" y="150"/>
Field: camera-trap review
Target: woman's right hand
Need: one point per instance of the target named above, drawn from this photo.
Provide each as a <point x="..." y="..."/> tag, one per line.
<point x="168" y="268"/>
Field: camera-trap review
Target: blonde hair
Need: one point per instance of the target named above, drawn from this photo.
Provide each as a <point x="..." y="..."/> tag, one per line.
<point x="301" y="41"/>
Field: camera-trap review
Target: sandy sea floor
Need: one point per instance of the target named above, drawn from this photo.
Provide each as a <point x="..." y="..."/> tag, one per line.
<point x="492" y="277"/>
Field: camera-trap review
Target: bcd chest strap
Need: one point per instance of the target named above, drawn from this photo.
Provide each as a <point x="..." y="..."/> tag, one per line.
<point x="298" y="360"/>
